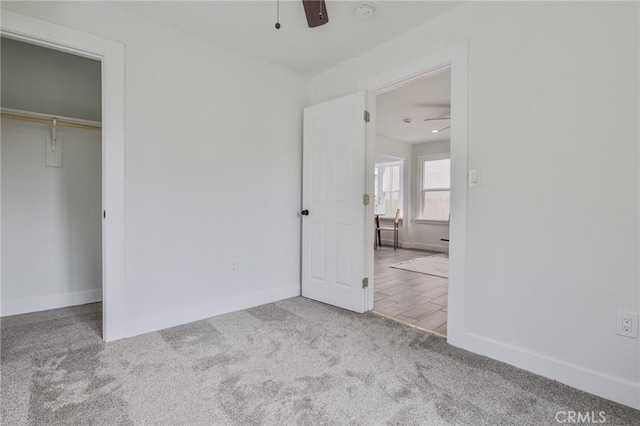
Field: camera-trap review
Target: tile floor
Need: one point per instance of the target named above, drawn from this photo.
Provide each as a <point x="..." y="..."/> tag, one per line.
<point x="414" y="298"/>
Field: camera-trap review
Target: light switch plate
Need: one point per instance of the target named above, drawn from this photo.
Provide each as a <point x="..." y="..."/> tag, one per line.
<point x="474" y="178"/>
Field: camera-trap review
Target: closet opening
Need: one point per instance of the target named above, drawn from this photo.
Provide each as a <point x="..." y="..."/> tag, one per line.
<point x="51" y="182"/>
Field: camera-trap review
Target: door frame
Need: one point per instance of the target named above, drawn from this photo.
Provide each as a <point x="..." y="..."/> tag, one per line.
<point x="111" y="54"/>
<point x="455" y="57"/>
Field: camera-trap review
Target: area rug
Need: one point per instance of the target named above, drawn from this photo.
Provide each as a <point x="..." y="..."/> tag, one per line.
<point x="437" y="265"/>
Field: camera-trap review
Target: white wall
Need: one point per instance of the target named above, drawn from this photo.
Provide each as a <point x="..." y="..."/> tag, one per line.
<point x="43" y="80"/>
<point x="51" y="219"/>
<point x="552" y="232"/>
<point x="213" y="153"/>
<point x="393" y="147"/>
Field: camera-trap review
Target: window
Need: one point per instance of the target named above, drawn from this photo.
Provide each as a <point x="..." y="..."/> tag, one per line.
<point x="388" y="188"/>
<point x="435" y="188"/>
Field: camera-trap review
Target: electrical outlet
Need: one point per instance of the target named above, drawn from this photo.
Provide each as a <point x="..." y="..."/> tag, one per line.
<point x="234" y="265"/>
<point x="627" y="324"/>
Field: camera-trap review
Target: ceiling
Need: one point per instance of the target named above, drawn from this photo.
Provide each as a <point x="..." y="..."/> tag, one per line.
<point x="429" y="97"/>
<point x="248" y="27"/>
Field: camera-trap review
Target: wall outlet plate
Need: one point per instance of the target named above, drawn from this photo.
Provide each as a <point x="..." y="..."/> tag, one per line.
<point x="627" y="324"/>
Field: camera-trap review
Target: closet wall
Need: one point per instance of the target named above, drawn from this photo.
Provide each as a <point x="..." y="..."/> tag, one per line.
<point x="50" y="216"/>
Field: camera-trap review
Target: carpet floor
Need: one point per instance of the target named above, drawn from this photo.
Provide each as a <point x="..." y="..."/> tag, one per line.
<point x="290" y="362"/>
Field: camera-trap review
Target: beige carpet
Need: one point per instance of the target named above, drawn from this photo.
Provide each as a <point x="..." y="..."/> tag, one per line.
<point x="437" y="265"/>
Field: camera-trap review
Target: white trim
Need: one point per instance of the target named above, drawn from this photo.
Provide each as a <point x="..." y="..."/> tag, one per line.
<point x="609" y="387"/>
<point x="417" y="246"/>
<point x="112" y="56"/>
<point x="51" y="301"/>
<point x="389" y="243"/>
<point x="220" y="307"/>
<point x="456" y="57"/>
<point x="433" y="157"/>
<point x="429" y="247"/>
<point x="431" y="222"/>
<point x="398" y="162"/>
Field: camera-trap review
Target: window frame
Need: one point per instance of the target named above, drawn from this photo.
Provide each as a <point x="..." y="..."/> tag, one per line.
<point x="379" y="183"/>
<point x="420" y="193"/>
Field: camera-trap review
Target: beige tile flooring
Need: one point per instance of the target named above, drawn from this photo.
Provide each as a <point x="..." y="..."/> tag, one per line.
<point x="414" y="298"/>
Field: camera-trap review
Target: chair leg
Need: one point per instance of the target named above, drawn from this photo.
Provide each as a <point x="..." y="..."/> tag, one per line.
<point x="379" y="239"/>
<point x="395" y="239"/>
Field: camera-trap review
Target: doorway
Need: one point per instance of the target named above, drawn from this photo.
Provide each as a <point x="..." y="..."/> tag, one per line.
<point x="455" y="58"/>
<point x="412" y="201"/>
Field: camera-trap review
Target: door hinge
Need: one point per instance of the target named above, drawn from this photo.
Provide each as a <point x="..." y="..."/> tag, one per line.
<point x="365" y="199"/>
<point x="367" y="117"/>
<point x="104" y="214"/>
<point x="365" y="282"/>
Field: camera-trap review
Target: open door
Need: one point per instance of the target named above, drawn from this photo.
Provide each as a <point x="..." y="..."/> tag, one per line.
<point x="333" y="230"/>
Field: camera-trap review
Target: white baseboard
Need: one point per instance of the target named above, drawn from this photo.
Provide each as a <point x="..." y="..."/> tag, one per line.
<point x="419" y="246"/>
<point x="143" y="325"/>
<point x="613" y="388"/>
<point x="52" y="301"/>
<point x="430" y="247"/>
<point x="389" y="243"/>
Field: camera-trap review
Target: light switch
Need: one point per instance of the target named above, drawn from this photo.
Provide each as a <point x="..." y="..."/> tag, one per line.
<point x="474" y="179"/>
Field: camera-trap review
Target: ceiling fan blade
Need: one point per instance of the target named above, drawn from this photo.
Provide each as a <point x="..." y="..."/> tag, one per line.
<point x="441" y="130"/>
<point x="316" y="11"/>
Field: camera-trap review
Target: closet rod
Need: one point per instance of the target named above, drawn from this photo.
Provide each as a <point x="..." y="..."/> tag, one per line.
<point x="41" y="118"/>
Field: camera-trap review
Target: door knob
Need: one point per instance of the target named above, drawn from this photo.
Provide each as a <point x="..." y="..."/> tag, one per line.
<point x="304" y="212"/>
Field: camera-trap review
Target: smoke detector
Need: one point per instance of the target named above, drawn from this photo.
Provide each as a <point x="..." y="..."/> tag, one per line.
<point x="364" y="11"/>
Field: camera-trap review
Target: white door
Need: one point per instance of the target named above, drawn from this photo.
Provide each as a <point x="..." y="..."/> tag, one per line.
<point x="333" y="231"/>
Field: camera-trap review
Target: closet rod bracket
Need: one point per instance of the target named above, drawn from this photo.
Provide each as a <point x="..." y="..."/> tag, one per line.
<point x="54" y="134"/>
